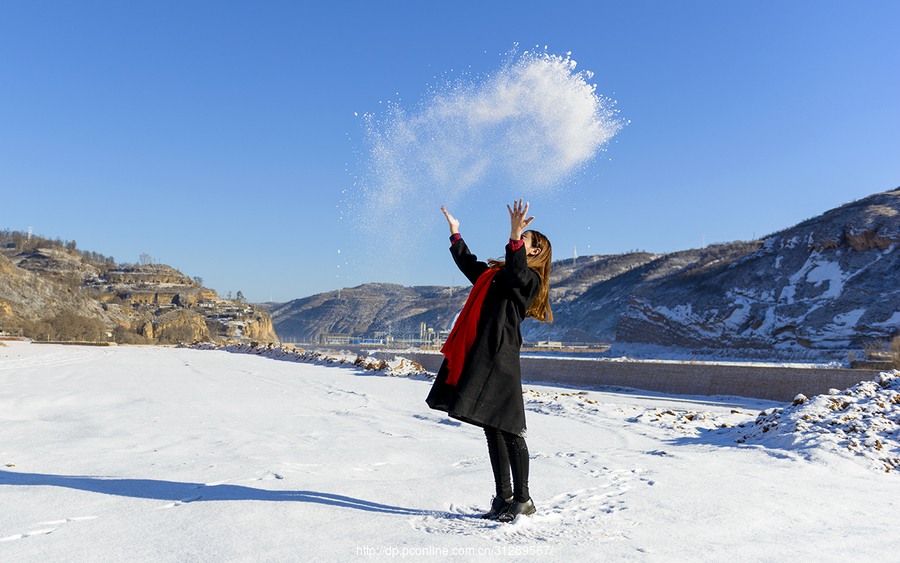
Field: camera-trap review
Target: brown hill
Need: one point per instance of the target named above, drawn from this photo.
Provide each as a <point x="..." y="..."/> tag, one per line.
<point x="53" y="291"/>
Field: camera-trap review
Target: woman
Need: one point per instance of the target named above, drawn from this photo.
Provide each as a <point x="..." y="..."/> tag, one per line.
<point x="480" y="380"/>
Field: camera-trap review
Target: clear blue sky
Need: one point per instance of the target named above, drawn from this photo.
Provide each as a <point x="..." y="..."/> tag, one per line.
<point x="224" y="138"/>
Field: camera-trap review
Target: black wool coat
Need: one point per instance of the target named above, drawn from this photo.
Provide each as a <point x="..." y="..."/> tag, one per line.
<point x="489" y="391"/>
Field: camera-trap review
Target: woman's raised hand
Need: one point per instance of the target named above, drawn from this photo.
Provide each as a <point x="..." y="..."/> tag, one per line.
<point x="454" y="224"/>
<point x="517" y="220"/>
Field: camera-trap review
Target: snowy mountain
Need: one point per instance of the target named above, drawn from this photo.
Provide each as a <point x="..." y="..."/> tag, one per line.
<point x="828" y="283"/>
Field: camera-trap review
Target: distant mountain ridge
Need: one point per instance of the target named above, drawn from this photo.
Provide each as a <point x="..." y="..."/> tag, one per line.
<point x="586" y="296"/>
<point x="830" y="282"/>
<point x="367" y="310"/>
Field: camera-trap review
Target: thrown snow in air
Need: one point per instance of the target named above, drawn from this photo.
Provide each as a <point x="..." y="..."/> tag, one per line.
<point x="519" y="131"/>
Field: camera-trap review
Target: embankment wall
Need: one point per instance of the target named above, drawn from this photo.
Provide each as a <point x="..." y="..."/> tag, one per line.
<point x="676" y="378"/>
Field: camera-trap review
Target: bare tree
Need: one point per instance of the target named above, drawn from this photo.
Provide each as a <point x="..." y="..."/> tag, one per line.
<point x="72" y="326"/>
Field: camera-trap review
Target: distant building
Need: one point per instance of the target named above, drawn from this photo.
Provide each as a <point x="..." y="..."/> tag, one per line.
<point x="365" y="341"/>
<point x="386" y="337"/>
<point x="335" y="339"/>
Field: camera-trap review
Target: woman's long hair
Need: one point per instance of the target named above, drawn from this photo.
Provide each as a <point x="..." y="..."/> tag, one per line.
<point x="540" y="307"/>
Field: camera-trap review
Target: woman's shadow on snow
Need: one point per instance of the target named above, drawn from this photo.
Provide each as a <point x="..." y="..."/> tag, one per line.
<point x="182" y="493"/>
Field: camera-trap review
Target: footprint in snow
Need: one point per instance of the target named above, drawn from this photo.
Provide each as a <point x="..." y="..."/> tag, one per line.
<point x="585" y="516"/>
<point x="47" y="528"/>
<point x="181" y="502"/>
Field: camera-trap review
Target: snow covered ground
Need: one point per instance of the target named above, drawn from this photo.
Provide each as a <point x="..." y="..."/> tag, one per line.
<point x="163" y="454"/>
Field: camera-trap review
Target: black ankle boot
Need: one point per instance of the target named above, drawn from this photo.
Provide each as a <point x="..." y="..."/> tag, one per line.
<point x="499" y="505"/>
<point x="515" y="508"/>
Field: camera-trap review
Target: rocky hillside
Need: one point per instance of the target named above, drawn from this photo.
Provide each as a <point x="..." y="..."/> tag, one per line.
<point x="609" y="284"/>
<point x="53" y="291"/>
<point x="26" y="295"/>
<point x="828" y="283"/>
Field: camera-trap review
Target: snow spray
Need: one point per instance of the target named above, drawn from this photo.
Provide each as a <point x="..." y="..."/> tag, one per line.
<point x="517" y="132"/>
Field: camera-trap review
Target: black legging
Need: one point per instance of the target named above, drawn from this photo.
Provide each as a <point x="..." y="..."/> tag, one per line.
<point x="508" y="451"/>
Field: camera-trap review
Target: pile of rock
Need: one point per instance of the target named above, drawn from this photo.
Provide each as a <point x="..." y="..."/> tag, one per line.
<point x="396" y="367"/>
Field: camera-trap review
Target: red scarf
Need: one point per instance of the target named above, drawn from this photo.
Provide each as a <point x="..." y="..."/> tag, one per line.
<point x="462" y="336"/>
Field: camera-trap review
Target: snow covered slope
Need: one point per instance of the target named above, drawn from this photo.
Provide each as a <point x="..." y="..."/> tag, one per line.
<point x="828" y="283"/>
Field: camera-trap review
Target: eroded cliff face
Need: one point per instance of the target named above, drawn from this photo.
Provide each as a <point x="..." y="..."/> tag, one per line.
<point x="175" y="326"/>
<point x="829" y="283"/>
<point x="260" y="328"/>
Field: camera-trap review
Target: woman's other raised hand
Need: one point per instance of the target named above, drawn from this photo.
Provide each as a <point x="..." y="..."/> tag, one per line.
<point x="517" y="221"/>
